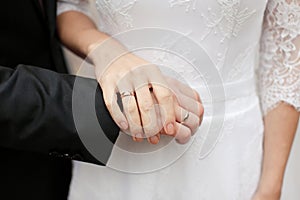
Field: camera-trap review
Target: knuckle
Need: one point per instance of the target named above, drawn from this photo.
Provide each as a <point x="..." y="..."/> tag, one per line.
<point x="147" y="106"/>
<point x="166" y="96"/>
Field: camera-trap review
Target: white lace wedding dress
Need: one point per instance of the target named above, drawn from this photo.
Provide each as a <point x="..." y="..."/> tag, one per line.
<point x="223" y="160"/>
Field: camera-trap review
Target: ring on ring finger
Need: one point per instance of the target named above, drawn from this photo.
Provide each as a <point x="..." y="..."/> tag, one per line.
<point x="126" y="94"/>
<point x="186" y="116"/>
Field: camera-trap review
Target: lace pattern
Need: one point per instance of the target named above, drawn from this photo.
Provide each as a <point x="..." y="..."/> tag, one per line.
<point x="279" y="70"/>
<point x="116" y="15"/>
<point x="188" y="4"/>
<point x="228" y="20"/>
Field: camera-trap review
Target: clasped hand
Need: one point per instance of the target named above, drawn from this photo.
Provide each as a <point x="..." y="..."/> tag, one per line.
<point x="152" y="104"/>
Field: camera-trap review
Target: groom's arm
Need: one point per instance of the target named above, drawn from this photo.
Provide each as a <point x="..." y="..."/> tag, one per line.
<point x="36" y="113"/>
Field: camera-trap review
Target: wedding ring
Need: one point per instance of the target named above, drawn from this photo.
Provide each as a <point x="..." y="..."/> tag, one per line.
<point x="186" y="116"/>
<point x="126" y="94"/>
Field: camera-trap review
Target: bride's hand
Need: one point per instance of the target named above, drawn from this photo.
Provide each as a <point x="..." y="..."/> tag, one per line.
<point x="131" y="77"/>
<point x="188" y="108"/>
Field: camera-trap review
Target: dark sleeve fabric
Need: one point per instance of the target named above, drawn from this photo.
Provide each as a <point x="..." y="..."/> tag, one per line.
<point x="36" y="113"/>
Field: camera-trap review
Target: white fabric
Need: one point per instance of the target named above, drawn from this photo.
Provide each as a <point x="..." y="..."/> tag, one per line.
<point x="280" y="55"/>
<point x="230" y="33"/>
<point x="74" y="5"/>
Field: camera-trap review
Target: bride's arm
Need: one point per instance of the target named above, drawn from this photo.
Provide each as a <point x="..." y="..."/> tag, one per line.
<point x="280" y="91"/>
<point x="78" y="32"/>
<point x="280" y="128"/>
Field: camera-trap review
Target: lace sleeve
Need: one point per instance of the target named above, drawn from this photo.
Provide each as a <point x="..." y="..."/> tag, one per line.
<point x="77" y="5"/>
<point x="279" y="70"/>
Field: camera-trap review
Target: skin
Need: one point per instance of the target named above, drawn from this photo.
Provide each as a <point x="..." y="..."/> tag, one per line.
<point x="280" y="128"/>
<point x="131" y="73"/>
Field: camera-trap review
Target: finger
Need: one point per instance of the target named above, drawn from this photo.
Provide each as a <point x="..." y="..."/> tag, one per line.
<point x="198" y="98"/>
<point x="184" y="89"/>
<point x="110" y="99"/>
<point x="158" y="114"/>
<point x="148" y="113"/>
<point x="166" y="103"/>
<point x="186" y="118"/>
<point x="133" y="118"/>
<point x="164" y="96"/>
<point x="191" y="105"/>
<point x="187" y="97"/>
<point x="183" y="134"/>
<point x="131" y="111"/>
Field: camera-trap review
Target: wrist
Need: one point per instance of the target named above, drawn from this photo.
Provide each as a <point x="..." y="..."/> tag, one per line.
<point x="106" y="47"/>
<point x="264" y="196"/>
<point x="102" y="54"/>
<point x="111" y="58"/>
<point x="270" y="189"/>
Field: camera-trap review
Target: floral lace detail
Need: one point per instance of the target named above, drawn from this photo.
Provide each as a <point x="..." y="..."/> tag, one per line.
<point x="189" y="4"/>
<point x="228" y="20"/>
<point x="279" y="71"/>
<point x="116" y="14"/>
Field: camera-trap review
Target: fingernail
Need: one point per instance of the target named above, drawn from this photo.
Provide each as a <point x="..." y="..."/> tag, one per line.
<point x="134" y="139"/>
<point x="124" y="125"/>
<point x="170" y="129"/>
<point x="154" y="140"/>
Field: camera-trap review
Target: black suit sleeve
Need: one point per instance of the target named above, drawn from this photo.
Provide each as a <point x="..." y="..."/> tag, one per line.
<point x="36" y="113"/>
